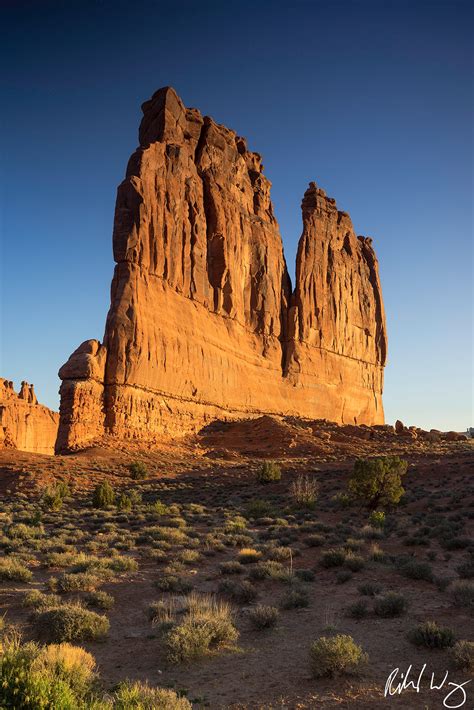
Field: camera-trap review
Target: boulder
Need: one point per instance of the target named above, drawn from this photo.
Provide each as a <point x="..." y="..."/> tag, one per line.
<point x="399" y="427"/>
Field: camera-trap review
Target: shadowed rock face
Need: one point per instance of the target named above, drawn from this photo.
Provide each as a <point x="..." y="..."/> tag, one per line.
<point x="25" y="424"/>
<point x="203" y="322"/>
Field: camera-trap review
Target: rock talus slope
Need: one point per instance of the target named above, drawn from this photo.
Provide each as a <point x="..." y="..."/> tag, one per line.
<point x="203" y="321"/>
<point x="24" y="423"/>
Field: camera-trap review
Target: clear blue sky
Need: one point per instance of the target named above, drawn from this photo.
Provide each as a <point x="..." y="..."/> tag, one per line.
<point x="372" y="100"/>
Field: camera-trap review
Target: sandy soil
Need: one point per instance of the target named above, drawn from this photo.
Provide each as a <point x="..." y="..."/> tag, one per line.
<point x="216" y="469"/>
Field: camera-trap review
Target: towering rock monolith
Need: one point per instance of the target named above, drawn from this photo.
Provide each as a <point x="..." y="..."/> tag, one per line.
<point x="203" y="322"/>
<point x="337" y="341"/>
<point x="25" y="424"/>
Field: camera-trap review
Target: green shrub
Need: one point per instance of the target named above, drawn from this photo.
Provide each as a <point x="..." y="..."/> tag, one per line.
<point x="100" y="600"/>
<point x="263" y="617"/>
<point x="258" y="508"/>
<point x="390" y="605"/>
<point x="377" y="519"/>
<point x="173" y="583"/>
<point x="315" y="540"/>
<point x="138" y="471"/>
<point x="354" y="544"/>
<point x="173" y="536"/>
<point x="378" y="482"/>
<point x="241" y="592"/>
<point x="337" y="655"/>
<point x="369" y="532"/>
<point x="102" y="566"/>
<point x="53" y="496"/>
<point x="103" y="495"/>
<point x="206" y="626"/>
<point x="231" y="567"/>
<point x="295" y="598"/>
<point x="189" y="557"/>
<point x="369" y="589"/>
<point x="304" y="490"/>
<point x="139" y="696"/>
<point x="63" y="489"/>
<point x="342" y="500"/>
<point x="358" y="610"/>
<point x="269" y="472"/>
<point x="235" y="524"/>
<point x="462" y="655"/>
<point x="333" y="558"/>
<point x="135" y="496"/>
<point x="163" y="612"/>
<point x="270" y="569"/>
<point x="80" y="582"/>
<point x="37" y="600"/>
<point x="124" y="502"/>
<point x="70" y="622"/>
<point x="63" y="559"/>
<point x="463" y="594"/>
<point x="248" y="555"/>
<point x="413" y="569"/>
<point x="117" y="563"/>
<point x="159" y="508"/>
<point x="20" y="531"/>
<point x="177" y="521"/>
<point x="430" y="635"/>
<point x="13" y="570"/>
<point x="354" y="562"/>
<point x="34" y="678"/>
<point x="280" y="553"/>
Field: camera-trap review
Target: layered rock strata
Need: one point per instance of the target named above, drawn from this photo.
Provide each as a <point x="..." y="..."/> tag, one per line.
<point x="24" y="423"/>
<point x="203" y="321"/>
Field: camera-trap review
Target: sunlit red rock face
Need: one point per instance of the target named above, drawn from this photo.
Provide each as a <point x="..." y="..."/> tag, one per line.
<point x="337" y="340"/>
<point x="203" y="323"/>
<point x="25" y="424"/>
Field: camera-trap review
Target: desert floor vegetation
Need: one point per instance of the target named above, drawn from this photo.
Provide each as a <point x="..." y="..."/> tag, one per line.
<point x="212" y="578"/>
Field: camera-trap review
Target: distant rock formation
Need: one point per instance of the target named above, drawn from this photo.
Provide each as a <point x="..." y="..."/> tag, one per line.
<point x="203" y="321"/>
<point x="25" y="424"/>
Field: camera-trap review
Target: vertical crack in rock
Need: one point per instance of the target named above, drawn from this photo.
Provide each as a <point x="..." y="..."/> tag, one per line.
<point x="203" y="322"/>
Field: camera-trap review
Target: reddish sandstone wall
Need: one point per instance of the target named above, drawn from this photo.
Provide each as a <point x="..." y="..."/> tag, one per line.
<point x="24" y="423"/>
<point x="203" y="321"/>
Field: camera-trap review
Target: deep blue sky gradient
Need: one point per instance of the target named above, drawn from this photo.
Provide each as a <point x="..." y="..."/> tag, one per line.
<point x="372" y="100"/>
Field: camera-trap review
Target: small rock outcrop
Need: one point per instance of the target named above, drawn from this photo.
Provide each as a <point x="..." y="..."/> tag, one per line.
<point x="203" y="322"/>
<point x="25" y="424"/>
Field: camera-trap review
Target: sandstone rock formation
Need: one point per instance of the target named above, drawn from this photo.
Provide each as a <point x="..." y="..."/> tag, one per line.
<point x="25" y="424"/>
<point x="203" y="321"/>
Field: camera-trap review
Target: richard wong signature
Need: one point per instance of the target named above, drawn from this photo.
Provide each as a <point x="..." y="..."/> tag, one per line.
<point x="398" y="681"/>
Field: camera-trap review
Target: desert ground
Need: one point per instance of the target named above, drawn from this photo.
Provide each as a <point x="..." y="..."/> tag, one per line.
<point x="192" y="517"/>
